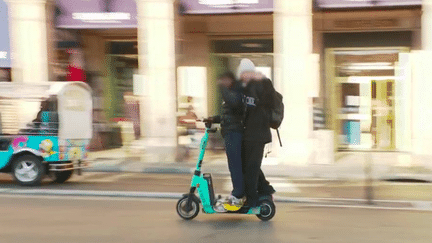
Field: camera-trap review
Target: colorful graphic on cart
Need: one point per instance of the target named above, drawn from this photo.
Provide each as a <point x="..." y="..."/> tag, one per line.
<point x="73" y="149"/>
<point x="19" y="143"/>
<point x="45" y="146"/>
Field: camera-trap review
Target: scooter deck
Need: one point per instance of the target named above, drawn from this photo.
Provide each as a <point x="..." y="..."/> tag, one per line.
<point x="243" y="210"/>
<point x="246" y="210"/>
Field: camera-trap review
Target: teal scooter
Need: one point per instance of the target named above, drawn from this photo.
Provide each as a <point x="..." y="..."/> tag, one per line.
<point x="189" y="205"/>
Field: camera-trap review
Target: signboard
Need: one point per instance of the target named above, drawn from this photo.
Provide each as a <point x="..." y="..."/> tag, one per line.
<point x="74" y="100"/>
<point x="243" y="46"/>
<point x="366" y="23"/>
<point x="5" y="60"/>
<point x="226" y="6"/>
<point x="329" y="4"/>
<point x="96" y="14"/>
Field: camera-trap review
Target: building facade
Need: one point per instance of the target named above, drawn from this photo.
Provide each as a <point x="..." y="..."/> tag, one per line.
<point x="358" y="61"/>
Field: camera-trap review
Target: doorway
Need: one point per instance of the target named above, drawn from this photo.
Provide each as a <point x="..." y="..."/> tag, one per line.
<point x="364" y="89"/>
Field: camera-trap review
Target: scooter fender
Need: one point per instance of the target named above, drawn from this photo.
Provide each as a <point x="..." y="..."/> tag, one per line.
<point x="192" y="196"/>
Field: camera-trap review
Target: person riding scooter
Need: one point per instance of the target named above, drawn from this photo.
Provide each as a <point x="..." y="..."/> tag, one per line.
<point x="258" y="94"/>
<point x="232" y="132"/>
<point x="233" y="125"/>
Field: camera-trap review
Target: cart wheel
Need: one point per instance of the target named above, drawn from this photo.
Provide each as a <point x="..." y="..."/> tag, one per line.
<point x="268" y="210"/>
<point x="28" y="170"/>
<point x="62" y="176"/>
<point x="182" y="208"/>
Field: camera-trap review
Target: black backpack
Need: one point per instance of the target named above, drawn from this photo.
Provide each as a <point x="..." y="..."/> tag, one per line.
<point x="277" y="112"/>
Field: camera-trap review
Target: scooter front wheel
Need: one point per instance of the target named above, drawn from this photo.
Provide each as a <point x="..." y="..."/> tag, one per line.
<point x="187" y="213"/>
<point x="268" y="210"/>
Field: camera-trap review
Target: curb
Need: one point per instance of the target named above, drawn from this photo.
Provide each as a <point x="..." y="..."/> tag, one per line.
<point x="312" y="202"/>
<point x="420" y="178"/>
<point x="90" y="193"/>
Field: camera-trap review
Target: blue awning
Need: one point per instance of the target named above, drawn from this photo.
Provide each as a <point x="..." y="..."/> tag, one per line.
<point x="5" y="60"/>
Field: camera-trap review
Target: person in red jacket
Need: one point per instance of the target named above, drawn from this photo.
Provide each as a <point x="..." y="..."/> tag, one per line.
<point x="75" y="68"/>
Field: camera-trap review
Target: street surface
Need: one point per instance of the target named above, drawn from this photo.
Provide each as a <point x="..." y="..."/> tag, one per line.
<point x="285" y="187"/>
<point x="70" y="219"/>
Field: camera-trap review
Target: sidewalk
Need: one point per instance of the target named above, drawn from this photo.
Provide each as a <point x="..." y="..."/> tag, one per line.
<point x="348" y="165"/>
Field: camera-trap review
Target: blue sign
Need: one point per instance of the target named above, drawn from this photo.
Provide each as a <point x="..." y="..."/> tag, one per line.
<point x="5" y="61"/>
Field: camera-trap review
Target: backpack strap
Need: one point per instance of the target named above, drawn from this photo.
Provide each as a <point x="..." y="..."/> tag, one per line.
<point x="280" y="141"/>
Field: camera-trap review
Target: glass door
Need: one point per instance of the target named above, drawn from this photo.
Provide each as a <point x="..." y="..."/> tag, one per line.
<point x="383" y="114"/>
<point x="363" y="89"/>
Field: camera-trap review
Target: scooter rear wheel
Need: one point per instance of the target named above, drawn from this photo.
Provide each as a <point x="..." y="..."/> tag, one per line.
<point x="182" y="208"/>
<point x="268" y="210"/>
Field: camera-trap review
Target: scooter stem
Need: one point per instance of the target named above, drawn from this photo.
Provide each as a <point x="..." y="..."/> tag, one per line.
<point x="203" y="146"/>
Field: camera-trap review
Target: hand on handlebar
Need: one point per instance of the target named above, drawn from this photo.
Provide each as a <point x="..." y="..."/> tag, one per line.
<point x="213" y="119"/>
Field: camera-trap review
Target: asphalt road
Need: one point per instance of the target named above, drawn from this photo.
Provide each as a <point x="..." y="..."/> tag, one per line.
<point x="69" y="219"/>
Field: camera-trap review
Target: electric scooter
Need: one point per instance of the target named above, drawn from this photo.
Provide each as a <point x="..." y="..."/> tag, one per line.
<point x="189" y="205"/>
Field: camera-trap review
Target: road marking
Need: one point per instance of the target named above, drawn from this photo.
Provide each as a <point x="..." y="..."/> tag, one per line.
<point x="422" y="205"/>
<point x="366" y="207"/>
<point x="93" y="193"/>
<point x="92" y="198"/>
<point x="354" y="200"/>
<point x="107" y="178"/>
<point x="111" y="178"/>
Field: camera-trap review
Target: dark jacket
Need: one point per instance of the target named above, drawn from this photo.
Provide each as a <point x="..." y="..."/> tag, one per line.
<point x="258" y="99"/>
<point x="232" y="108"/>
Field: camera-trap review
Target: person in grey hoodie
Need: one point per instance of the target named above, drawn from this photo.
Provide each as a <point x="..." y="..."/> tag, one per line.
<point x="258" y="95"/>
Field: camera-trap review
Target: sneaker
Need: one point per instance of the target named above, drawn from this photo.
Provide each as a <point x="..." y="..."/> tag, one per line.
<point x="233" y="203"/>
<point x="219" y="207"/>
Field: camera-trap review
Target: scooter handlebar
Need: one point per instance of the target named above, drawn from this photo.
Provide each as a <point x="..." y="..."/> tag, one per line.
<point x="212" y="130"/>
<point x="210" y="120"/>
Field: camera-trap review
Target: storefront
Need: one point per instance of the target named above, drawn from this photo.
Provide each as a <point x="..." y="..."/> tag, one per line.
<point x="366" y="70"/>
<point x="100" y="38"/>
<point x="105" y="33"/>
<point x="217" y="34"/>
<point x="5" y="60"/>
<point x="364" y="49"/>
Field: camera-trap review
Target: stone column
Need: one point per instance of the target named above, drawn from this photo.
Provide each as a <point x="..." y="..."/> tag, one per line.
<point x="426" y="31"/>
<point x="294" y="76"/>
<point x="28" y="23"/>
<point x="421" y="86"/>
<point x="156" y="49"/>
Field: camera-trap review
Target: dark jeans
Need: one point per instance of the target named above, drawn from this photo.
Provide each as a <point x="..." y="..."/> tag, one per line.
<point x="255" y="181"/>
<point x="233" y="143"/>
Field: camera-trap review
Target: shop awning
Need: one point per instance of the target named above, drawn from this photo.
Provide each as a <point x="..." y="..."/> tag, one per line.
<point x="255" y="6"/>
<point x="96" y="14"/>
<point x="225" y="6"/>
<point x="335" y="4"/>
<point x="5" y="61"/>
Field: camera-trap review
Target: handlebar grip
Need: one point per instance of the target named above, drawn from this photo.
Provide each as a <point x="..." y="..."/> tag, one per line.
<point x="212" y="130"/>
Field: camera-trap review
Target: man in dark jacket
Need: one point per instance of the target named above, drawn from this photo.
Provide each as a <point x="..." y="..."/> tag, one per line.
<point x="232" y="132"/>
<point x="258" y="94"/>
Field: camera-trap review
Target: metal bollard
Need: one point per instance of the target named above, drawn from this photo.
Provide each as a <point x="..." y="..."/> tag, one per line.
<point x="79" y="167"/>
<point x="368" y="178"/>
